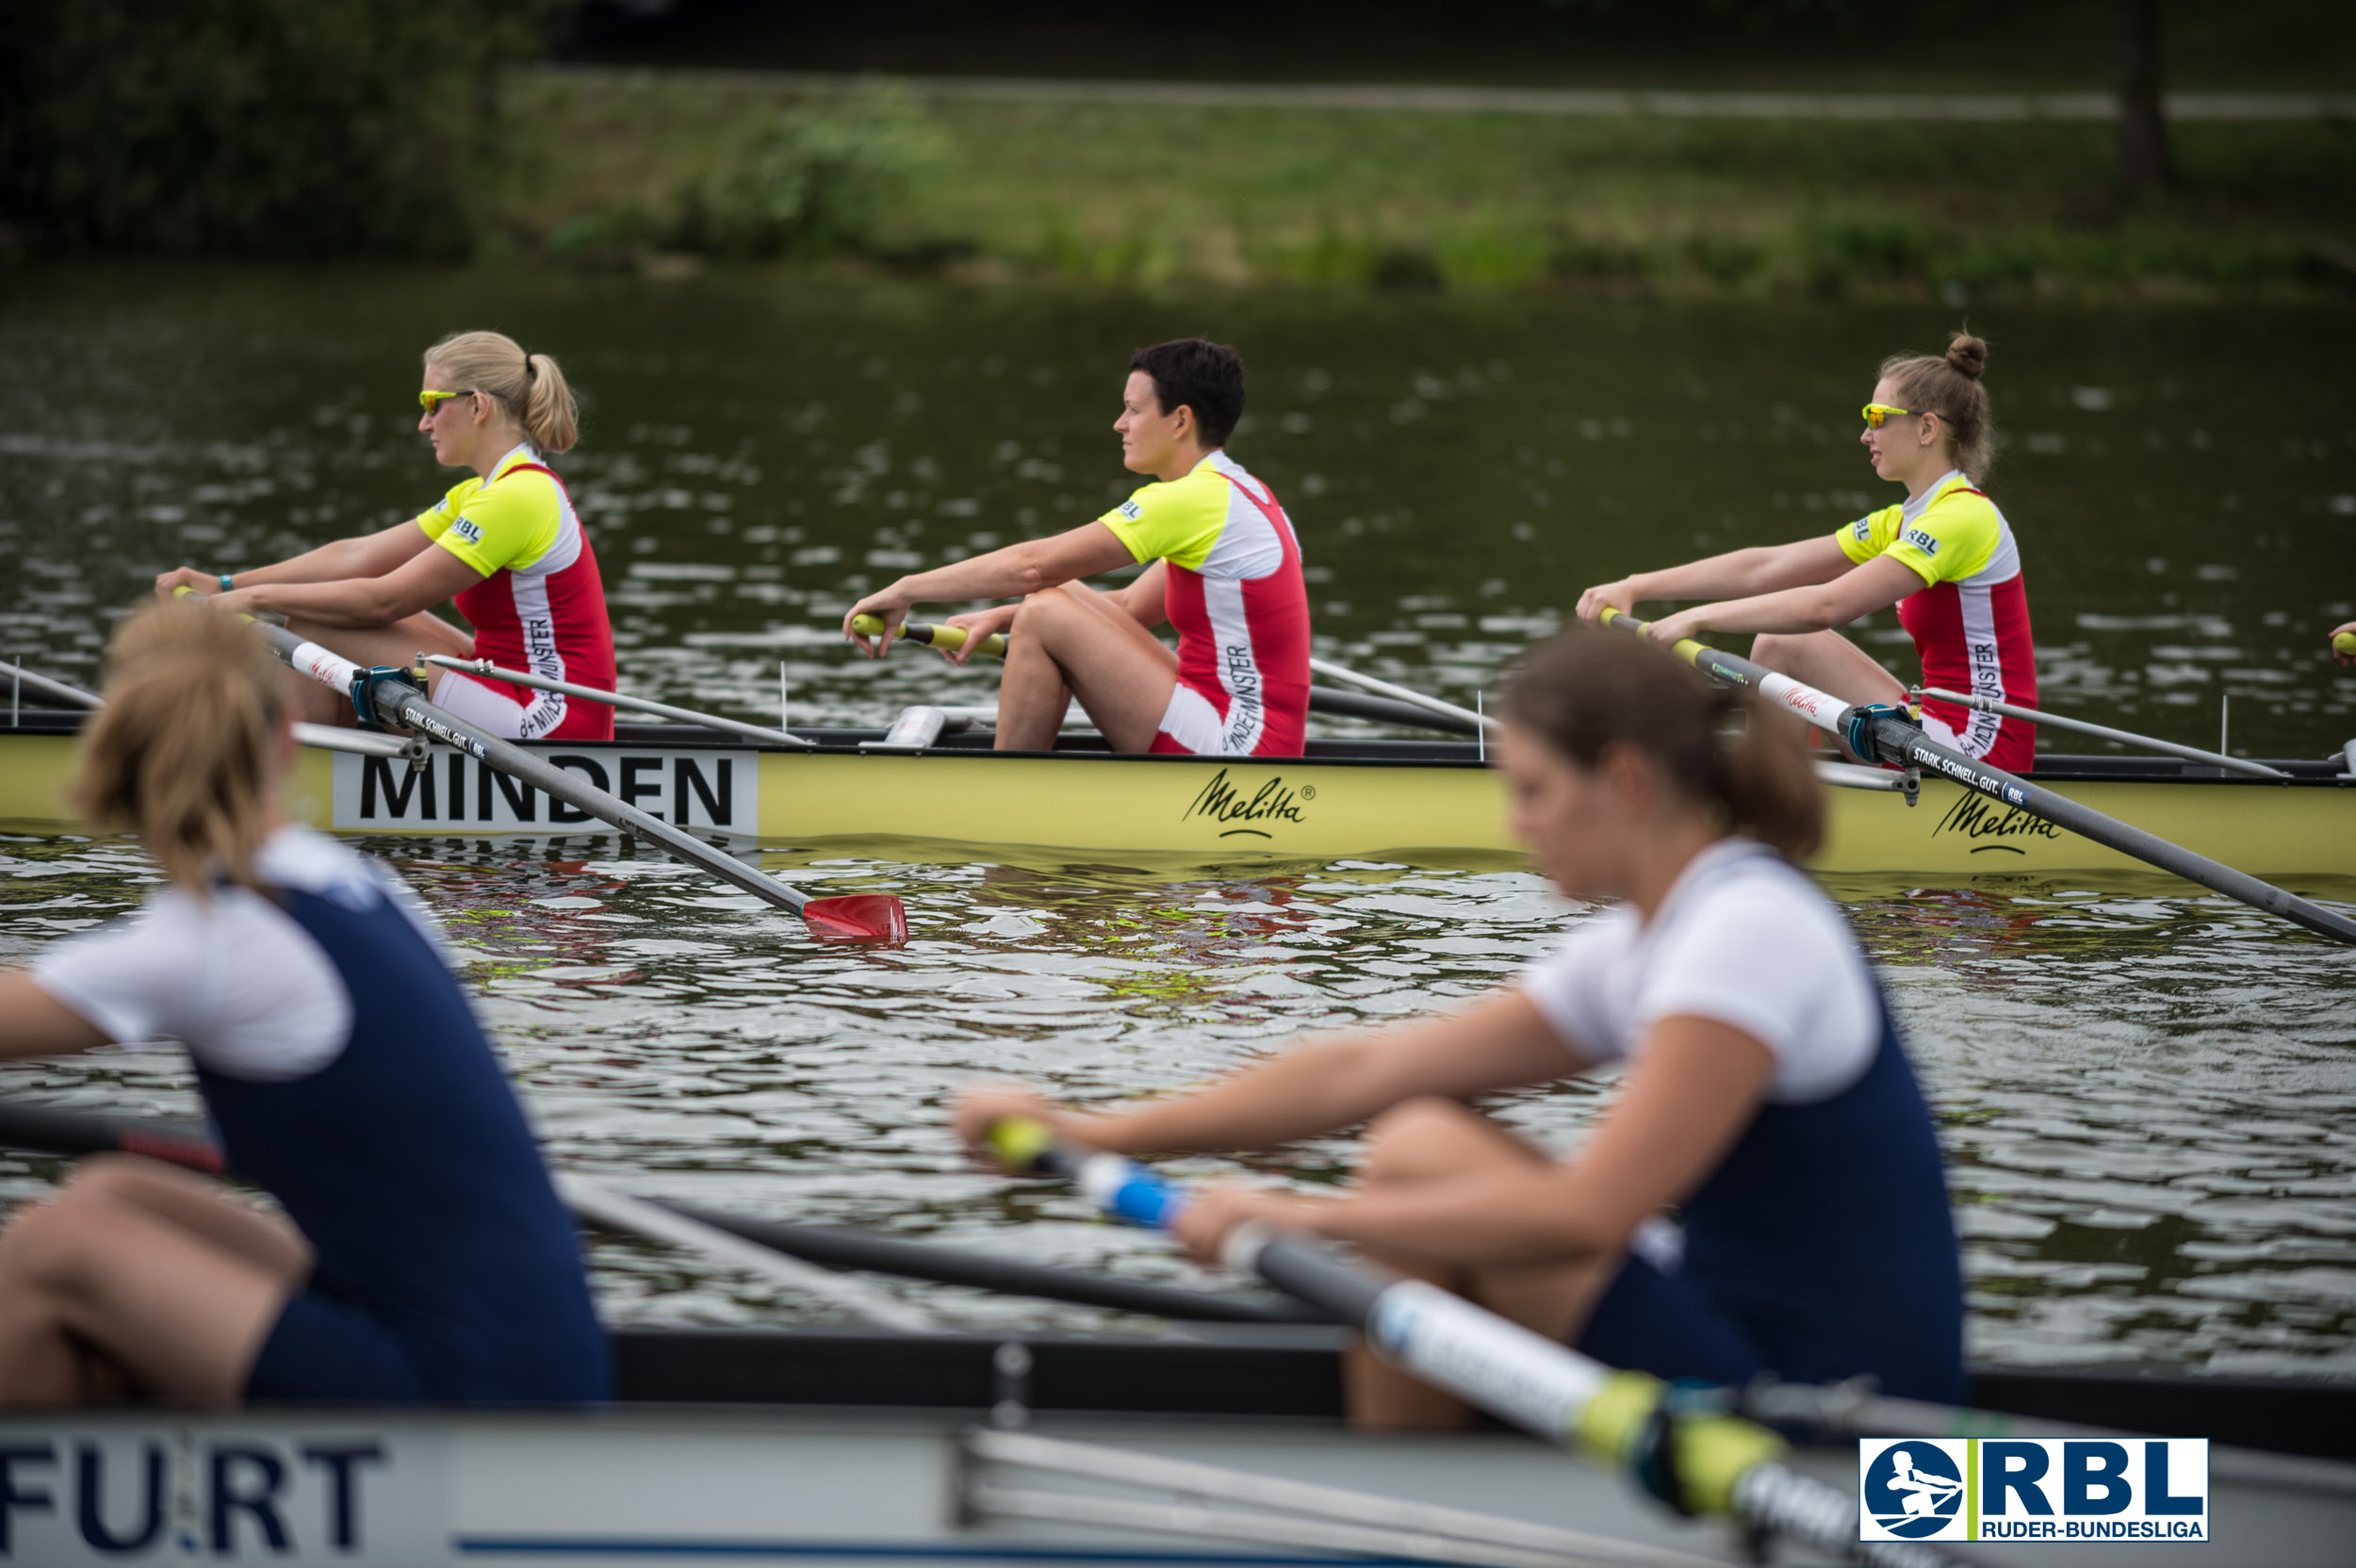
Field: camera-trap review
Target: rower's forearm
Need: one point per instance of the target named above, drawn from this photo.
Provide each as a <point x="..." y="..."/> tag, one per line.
<point x="331" y="562"/>
<point x="354" y="603"/>
<point x="1001" y="574"/>
<point x="1807" y="609"/>
<point x="1737" y="574"/>
<point x="1303" y="1094"/>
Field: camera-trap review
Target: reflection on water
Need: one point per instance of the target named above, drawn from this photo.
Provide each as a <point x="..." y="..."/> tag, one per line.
<point x="2149" y="1100"/>
<point x="2149" y="1097"/>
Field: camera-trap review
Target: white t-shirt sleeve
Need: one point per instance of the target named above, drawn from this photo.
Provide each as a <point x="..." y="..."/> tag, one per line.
<point x="1571" y="987"/>
<point x="1777" y="963"/>
<point x="232" y="977"/>
<point x="1751" y="945"/>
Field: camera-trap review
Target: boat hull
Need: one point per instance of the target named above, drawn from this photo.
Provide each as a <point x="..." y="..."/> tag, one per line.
<point x="820" y="1447"/>
<point x="1409" y="800"/>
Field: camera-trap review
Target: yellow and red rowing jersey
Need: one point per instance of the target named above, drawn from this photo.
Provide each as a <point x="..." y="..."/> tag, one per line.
<point x="540" y="604"/>
<point x="1969" y="620"/>
<point x="1237" y="598"/>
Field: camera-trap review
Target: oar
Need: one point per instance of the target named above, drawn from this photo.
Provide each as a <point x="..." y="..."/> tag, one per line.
<point x="386" y="696"/>
<point x="1887" y="734"/>
<point x="2104" y="732"/>
<point x="324" y="737"/>
<point x="615" y="699"/>
<point x="1698" y="1461"/>
<point x="1421" y="714"/>
<point x="51" y="1129"/>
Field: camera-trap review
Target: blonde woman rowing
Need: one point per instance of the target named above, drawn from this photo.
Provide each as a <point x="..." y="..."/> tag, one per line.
<point x="421" y="1253"/>
<point x="506" y="548"/>
<point x="1946" y="557"/>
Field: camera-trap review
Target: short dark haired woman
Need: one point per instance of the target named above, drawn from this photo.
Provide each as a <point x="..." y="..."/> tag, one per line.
<point x="1221" y="564"/>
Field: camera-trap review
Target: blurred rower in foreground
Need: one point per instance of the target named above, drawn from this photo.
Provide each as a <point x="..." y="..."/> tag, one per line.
<point x="1944" y="556"/>
<point x="422" y="1254"/>
<point x="1222" y="565"/>
<point x="1766" y="1100"/>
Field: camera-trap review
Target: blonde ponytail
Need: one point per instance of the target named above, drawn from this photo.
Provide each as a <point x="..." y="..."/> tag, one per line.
<point x="530" y="388"/>
<point x="180" y="755"/>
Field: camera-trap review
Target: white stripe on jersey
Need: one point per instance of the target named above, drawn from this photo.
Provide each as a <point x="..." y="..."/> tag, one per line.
<point x="1238" y="664"/>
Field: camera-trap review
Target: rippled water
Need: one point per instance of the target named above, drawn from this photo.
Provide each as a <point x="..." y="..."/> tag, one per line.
<point x="2149" y="1097"/>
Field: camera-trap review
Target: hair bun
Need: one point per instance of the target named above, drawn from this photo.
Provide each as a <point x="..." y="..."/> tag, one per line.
<point x="1967" y="354"/>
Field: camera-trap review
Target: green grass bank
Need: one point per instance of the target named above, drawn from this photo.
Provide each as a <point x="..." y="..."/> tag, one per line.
<point x="644" y="170"/>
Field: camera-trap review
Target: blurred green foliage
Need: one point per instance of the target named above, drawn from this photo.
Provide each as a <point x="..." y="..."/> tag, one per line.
<point x="818" y="178"/>
<point x="253" y="126"/>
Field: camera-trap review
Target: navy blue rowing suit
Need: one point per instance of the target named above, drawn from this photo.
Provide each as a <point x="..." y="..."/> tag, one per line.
<point x="345" y="1073"/>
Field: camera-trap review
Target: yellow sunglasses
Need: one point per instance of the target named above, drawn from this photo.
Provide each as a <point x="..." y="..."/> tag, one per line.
<point x="431" y="402"/>
<point x="1877" y="413"/>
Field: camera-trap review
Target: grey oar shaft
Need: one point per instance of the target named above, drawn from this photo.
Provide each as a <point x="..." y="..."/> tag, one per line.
<point x="318" y="735"/>
<point x="1897" y="739"/>
<point x="615" y="699"/>
<point x="398" y="704"/>
<point x="1095" y="1461"/>
<point x="619" y="1211"/>
<point x="2104" y="732"/>
<point x="1399" y="694"/>
<point x="22" y="679"/>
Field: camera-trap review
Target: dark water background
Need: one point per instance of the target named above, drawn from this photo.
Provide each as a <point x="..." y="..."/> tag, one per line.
<point x="2149" y="1097"/>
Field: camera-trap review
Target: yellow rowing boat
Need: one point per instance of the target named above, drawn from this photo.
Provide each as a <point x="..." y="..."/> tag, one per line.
<point x="1368" y="799"/>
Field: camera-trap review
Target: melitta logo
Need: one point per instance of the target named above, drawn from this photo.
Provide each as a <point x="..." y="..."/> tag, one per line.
<point x="2086" y="1490"/>
<point x="1972" y="817"/>
<point x="1222" y="802"/>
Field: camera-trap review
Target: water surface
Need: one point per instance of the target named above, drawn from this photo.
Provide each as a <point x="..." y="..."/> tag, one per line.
<point x="2148" y="1095"/>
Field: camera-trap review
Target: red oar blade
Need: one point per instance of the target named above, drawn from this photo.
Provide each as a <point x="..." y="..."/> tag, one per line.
<point x="858" y="918"/>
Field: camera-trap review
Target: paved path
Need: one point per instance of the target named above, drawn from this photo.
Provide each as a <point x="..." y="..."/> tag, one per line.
<point x="1506" y="99"/>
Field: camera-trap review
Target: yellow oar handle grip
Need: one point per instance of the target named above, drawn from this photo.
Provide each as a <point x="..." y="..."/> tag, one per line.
<point x="1711" y="1450"/>
<point x="2344" y="642"/>
<point x="942" y="637"/>
<point x="1019" y="1142"/>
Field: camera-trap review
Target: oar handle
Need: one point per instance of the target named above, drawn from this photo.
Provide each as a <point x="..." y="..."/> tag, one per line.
<point x="945" y="638"/>
<point x="2344" y="643"/>
<point x="51" y="1130"/>
<point x="1688" y="1450"/>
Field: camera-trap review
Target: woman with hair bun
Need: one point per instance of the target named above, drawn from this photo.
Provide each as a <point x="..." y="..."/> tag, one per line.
<point x="1764" y="1095"/>
<point x="505" y="545"/>
<point x="421" y="1253"/>
<point x="1945" y="556"/>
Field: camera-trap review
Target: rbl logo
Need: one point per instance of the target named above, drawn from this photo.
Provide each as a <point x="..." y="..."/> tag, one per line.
<point x="2073" y="1489"/>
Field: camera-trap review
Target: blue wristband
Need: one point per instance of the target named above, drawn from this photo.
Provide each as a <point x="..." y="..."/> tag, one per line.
<point x="224" y="583"/>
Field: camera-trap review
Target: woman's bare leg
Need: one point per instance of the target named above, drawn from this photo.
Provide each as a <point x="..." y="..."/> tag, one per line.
<point x="1425" y="1140"/>
<point x="1072" y="642"/>
<point x="200" y="1206"/>
<point x="1830" y="662"/>
<point x="398" y="643"/>
<point x="98" y="1275"/>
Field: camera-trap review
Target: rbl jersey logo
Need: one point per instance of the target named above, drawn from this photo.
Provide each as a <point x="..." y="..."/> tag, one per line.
<point x="2083" y="1489"/>
<point x="468" y="530"/>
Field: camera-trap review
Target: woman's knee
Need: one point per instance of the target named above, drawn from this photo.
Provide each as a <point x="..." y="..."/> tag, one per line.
<point x="1430" y="1135"/>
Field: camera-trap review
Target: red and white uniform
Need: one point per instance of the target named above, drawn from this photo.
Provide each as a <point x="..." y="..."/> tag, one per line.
<point x="1236" y="596"/>
<point x="540" y="605"/>
<point x="1970" y="621"/>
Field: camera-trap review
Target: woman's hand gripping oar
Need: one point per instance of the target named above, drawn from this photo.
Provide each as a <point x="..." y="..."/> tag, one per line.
<point x="389" y="696"/>
<point x="1696" y="1457"/>
<point x="1888" y="735"/>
